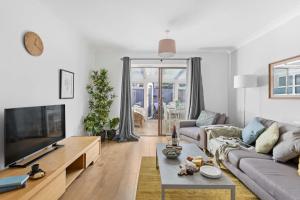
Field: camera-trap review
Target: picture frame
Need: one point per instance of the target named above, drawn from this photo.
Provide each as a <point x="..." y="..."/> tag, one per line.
<point x="66" y="84"/>
<point x="284" y="79"/>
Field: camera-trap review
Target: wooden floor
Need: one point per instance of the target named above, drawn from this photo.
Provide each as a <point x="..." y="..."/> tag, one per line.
<point x="114" y="176"/>
<point x="150" y="128"/>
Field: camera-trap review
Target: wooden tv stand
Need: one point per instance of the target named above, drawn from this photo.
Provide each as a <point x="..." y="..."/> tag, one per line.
<point x="62" y="167"/>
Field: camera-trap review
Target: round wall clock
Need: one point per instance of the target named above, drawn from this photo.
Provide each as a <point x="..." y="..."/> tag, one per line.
<point x="33" y="44"/>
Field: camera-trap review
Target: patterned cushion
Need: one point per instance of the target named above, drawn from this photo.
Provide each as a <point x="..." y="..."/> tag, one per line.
<point x="206" y="118"/>
<point x="252" y="131"/>
<point x="267" y="139"/>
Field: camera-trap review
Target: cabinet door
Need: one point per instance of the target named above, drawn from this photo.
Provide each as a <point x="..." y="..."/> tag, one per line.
<point x="92" y="154"/>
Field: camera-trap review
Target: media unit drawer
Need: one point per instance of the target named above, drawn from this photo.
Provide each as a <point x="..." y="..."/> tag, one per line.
<point x="53" y="190"/>
<point x="92" y="154"/>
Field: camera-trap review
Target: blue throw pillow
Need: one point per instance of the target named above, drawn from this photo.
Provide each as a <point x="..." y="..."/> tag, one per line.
<point x="252" y="131"/>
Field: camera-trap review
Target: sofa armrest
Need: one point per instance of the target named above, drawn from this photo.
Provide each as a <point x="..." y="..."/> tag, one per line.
<point x="187" y="123"/>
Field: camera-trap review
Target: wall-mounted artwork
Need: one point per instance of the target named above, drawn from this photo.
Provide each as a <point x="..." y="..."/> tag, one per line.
<point x="33" y="44"/>
<point x="284" y="78"/>
<point x="66" y="84"/>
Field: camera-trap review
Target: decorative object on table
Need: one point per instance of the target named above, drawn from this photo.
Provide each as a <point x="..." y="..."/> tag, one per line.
<point x="187" y="168"/>
<point x="33" y="44"/>
<point x="101" y="98"/>
<point x="36" y="172"/>
<point x="284" y="78"/>
<point x="190" y="166"/>
<point x="12" y="183"/>
<point x="172" y="152"/>
<point x="245" y="81"/>
<point x="66" y="84"/>
<point x="174" y="137"/>
<point x="210" y="171"/>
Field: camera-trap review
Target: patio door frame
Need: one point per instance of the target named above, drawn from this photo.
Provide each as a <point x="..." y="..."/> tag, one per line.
<point x="160" y="100"/>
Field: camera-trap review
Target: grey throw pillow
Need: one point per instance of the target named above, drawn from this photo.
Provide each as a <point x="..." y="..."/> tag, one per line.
<point x="286" y="150"/>
<point x="206" y="118"/>
<point x="221" y="119"/>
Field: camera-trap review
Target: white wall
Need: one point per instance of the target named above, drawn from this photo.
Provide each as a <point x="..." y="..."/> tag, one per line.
<point x="31" y="81"/>
<point x="254" y="58"/>
<point x="215" y="75"/>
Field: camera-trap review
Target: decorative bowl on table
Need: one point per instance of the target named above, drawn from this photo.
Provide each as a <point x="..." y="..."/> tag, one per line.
<point x="172" y="152"/>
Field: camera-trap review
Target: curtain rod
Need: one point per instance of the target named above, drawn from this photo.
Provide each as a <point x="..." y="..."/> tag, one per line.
<point x="158" y="58"/>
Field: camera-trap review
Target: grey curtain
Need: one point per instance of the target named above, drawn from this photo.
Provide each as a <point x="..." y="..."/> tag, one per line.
<point x="196" y="103"/>
<point x="126" y="119"/>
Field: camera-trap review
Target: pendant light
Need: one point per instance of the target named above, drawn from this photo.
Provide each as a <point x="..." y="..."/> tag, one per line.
<point x="167" y="47"/>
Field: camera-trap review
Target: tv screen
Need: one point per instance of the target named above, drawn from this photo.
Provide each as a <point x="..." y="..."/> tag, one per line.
<point x="30" y="129"/>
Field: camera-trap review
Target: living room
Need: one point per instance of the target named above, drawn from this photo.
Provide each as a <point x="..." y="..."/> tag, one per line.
<point x="135" y="81"/>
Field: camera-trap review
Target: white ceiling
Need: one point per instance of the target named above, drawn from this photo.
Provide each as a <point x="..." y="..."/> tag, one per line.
<point x="194" y="24"/>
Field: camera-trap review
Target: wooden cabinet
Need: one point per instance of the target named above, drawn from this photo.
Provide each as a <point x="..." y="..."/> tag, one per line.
<point x="62" y="167"/>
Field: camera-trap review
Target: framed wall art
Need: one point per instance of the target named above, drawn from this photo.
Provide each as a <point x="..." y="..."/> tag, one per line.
<point x="66" y="84"/>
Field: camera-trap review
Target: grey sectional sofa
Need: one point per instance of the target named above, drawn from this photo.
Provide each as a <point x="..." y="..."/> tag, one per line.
<point x="188" y="131"/>
<point x="268" y="179"/>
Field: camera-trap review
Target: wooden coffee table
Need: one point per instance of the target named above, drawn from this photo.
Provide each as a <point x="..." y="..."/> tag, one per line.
<point x="170" y="180"/>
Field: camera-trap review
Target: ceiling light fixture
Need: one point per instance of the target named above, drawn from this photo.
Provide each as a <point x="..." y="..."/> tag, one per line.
<point x="167" y="47"/>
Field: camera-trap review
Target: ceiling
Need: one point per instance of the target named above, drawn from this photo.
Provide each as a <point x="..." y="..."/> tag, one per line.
<point x="195" y="24"/>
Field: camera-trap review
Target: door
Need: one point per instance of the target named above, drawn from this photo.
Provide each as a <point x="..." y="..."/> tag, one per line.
<point x="158" y="99"/>
<point x="173" y="98"/>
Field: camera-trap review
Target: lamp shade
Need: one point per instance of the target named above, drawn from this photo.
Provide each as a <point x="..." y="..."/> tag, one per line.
<point x="167" y="48"/>
<point x="245" y="81"/>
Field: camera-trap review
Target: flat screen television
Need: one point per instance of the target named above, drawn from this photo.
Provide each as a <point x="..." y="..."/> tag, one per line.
<point x="30" y="129"/>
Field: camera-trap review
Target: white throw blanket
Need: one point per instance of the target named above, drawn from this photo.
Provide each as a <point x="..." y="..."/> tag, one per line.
<point x="221" y="146"/>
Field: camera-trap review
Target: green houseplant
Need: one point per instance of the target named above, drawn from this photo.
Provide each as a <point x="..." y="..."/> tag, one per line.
<point x="101" y="99"/>
<point x="113" y="124"/>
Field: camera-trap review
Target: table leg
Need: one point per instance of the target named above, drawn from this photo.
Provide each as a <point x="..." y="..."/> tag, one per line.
<point x="162" y="193"/>
<point x="156" y="160"/>
<point x="232" y="193"/>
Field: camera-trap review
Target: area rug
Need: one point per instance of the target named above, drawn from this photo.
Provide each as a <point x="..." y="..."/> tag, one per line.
<point x="149" y="187"/>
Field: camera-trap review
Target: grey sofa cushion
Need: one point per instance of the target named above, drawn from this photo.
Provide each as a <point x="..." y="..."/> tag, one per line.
<point x="235" y="156"/>
<point x="286" y="150"/>
<point x="207" y="118"/>
<point x="192" y="132"/>
<point x="221" y="119"/>
<point x="280" y="180"/>
<point x="289" y="135"/>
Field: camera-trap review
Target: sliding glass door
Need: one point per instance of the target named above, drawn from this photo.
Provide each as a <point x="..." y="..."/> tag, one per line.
<point x="158" y="98"/>
<point x="173" y="98"/>
<point x="145" y="100"/>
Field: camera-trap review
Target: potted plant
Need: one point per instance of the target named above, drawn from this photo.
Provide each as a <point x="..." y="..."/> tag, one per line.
<point x="101" y="99"/>
<point x="113" y="124"/>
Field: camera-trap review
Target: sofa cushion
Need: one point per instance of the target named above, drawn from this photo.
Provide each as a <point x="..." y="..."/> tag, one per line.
<point x="234" y="156"/>
<point x="267" y="139"/>
<point x="221" y="119"/>
<point x="278" y="179"/>
<point x="286" y="150"/>
<point x="252" y="131"/>
<point x="206" y="118"/>
<point x="193" y="132"/>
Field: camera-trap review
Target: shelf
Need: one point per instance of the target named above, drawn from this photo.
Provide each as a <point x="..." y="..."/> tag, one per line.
<point x="71" y="175"/>
<point x="74" y="170"/>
